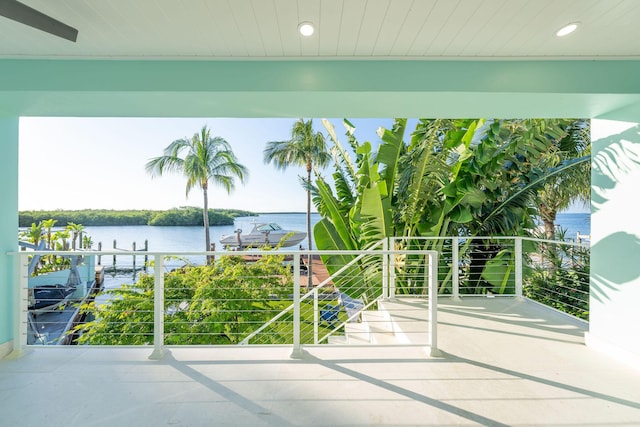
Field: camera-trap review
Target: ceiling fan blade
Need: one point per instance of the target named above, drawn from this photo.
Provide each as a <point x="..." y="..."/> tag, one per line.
<point x="24" y="14"/>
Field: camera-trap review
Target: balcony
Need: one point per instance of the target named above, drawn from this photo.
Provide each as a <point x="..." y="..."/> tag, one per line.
<point x="502" y="359"/>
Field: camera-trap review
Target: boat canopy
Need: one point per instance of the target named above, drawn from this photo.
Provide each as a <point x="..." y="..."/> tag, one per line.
<point x="268" y="227"/>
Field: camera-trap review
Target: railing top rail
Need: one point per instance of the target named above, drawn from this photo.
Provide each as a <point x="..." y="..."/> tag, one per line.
<point x="558" y="242"/>
<point x="223" y="253"/>
<point x="534" y="239"/>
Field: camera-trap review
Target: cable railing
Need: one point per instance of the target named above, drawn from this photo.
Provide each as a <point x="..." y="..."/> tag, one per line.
<point x="386" y="295"/>
<point x="556" y="274"/>
<point x="241" y="298"/>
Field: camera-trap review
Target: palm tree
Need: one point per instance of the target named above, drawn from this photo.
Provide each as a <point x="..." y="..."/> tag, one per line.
<point x="48" y="225"/>
<point x="75" y="230"/>
<point x="34" y="234"/>
<point x="559" y="192"/>
<point x="305" y="148"/>
<point x="206" y="159"/>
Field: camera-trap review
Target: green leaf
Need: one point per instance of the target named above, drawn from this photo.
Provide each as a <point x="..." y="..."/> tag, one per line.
<point x="461" y="215"/>
<point x="474" y="198"/>
<point x="498" y="271"/>
<point x="338" y="220"/>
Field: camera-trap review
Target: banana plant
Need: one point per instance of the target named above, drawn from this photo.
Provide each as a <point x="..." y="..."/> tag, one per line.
<point x="455" y="178"/>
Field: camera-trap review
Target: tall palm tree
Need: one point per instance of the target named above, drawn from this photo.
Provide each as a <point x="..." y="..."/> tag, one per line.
<point x="574" y="185"/>
<point x="201" y="159"/>
<point x="305" y="148"/>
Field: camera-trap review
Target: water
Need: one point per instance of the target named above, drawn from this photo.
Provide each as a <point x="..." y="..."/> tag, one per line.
<point x="574" y="223"/>
<point x="189" y="239"/>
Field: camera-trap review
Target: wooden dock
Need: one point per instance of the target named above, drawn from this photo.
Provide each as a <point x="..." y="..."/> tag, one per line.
<point x="318" y="269"/>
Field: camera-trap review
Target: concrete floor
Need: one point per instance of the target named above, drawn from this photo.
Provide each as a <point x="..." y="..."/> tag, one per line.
<point x="504" y="362"/>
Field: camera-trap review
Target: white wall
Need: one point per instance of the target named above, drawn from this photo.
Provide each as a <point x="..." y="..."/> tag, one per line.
<point x="615" y="243"/>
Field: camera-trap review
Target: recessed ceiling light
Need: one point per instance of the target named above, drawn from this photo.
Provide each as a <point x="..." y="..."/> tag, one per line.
<point x="567" y="29"/>
<point x="305" y="28"/>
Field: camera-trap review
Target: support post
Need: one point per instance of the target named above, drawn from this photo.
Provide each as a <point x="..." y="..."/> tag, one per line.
<point x="133" y="246"/>
<point x="518" y="272"/>
<point x="146" y="257"/>
<point x="297" y="349"/>
<point x="316" y="317"/>
<point x="385" y="268"/>
<point x="21" y="306"/>
<point x="392" y="269"/>
<point x="158" y="309"/>
<point x="433" y="304"/>
<point x="455" y="267"/>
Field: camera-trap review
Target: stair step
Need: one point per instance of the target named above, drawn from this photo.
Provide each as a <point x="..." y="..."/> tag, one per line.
<point x="357" y="333"/>
<point x="397" y="321"/>
<point x="337" y="340"/>
<point x="379" y="319"/>
<point x="410" y="319"/>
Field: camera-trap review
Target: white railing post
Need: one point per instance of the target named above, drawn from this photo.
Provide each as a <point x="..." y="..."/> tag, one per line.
<point x="316" y="318"/>
<point x="392" y="267"/>
<point x="455" y="267"/>
<point x="385" y="268"/>
<point x="433" y="303"/>
<point x="518" y="266"/>
<point x="158" y="308"/>
<point x="297" y="351"/>
<point x="20" y="306"/>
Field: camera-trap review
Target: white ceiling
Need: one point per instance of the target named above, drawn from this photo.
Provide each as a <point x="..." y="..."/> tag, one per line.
<point x="255" y="29"/>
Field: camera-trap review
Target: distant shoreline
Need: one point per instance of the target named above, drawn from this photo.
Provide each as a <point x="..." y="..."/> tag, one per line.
<point x="286" y="213"/>
<point x="182" y="216"/>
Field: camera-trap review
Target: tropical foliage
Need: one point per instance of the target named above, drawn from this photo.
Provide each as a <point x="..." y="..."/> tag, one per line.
<point x="201" y="159"/>
<point x="471" y="177"/>
<point x="557" y="275"/>
<point x="219" y="303"/>
<point x="58" y="240"/>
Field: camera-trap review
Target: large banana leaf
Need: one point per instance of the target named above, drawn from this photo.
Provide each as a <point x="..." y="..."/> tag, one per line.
<point x="375" y="214"/>
<point x="339" y="222"/>
<point x="353" y="281"/>
<point x="389" y="152"/>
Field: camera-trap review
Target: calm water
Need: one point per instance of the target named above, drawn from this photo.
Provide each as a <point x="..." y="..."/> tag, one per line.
<point x="573" y="223"/>
<point x="189" y="239"/>
<point x="185" y="239"/>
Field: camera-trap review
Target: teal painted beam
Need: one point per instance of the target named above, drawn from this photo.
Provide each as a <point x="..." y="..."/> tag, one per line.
<point x="351" y="76"/>
<point x="8" y="222"/>
<point x="318" y="88"/>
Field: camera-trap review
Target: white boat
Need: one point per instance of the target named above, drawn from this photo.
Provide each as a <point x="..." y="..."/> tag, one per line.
<point x="262" y="234"/>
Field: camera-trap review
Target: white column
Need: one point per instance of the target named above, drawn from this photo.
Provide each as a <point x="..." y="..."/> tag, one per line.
<point x="614" y="318"/>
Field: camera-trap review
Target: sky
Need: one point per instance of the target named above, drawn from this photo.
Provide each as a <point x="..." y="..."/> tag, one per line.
<point x="98" y="163"/>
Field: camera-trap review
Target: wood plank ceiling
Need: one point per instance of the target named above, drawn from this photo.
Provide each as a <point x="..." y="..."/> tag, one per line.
<point x="345" y="29"/>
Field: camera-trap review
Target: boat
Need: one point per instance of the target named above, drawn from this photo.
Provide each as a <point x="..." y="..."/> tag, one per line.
<point x="49" y="297"/>
<point x="270" y="234"/>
